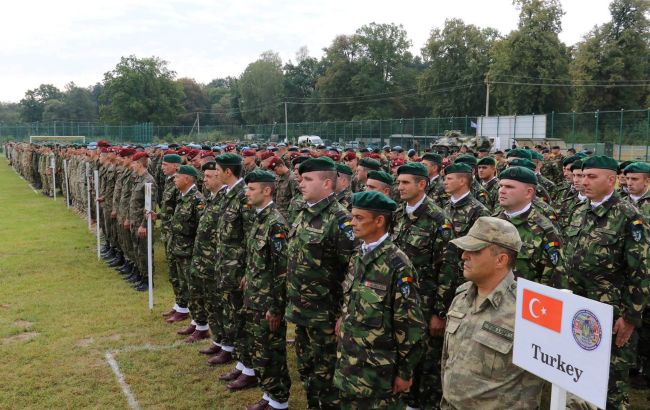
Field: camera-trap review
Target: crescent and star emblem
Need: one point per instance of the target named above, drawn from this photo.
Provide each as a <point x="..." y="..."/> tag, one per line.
<point x="531" y="308"/>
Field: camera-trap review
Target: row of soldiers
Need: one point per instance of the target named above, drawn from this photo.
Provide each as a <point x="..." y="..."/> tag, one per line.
<point x="229" y="263"/>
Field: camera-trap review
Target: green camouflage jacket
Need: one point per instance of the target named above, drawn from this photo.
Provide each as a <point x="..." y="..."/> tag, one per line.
<point x="283" y="193"/>
<point x="295" y="206"/>
<point x="266" y="262"/>
<point x="382" y="323"/>
<point x="492" y="188"/>
<point x="607" y="256"/>
<point x="205" y="243"/>
<point x="109" y="187"/>
<point x="424" y="237"/>
<point x="541" y="258"/>
<point x="232" y="227"/>
<point x="548" y="185"/>
<point x="481" y="194"/>
<point x="120" y="174"/>
<point x="168" y="205"/>
<point x="643" y="205"/>
<point x="436" y="191"/>
<point x="184" y="222"/>
<point x="125" y="196"/>
<point x="464" y="213"/>
<point x="136" y="204"/>
<point x="345" y="198"/>
<point x="321" y="243"/>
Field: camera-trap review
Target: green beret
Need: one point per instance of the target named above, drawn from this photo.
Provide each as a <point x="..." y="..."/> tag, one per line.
<point x="433" y="157"/>
<point x="623" y="165"/>
<point x="466" y="159"/>
<point x="370" y="163"/>
<point x="381" y="176"/>
<point x="259" y="175"/>
<point x="228" y="159"/>
<point x="522" y="162"/>
<point x="299" y="160"/>
<point x="536" y="155"/>
<point x="209" y="166"/>
<point x="187" y="170"/>
<point x="519" y="153"/>
<point x="413" y="168"/>
<point x="570" y="160"/>
<point x="173" y="158"/>
<point x="373" y="201"/>
<point x="458" y="168"/>
<point x="317" y="164"/>
<point x="487" y="161"/>
<point x="343" y="169"/>
<point x="637" y="168"/>
<point x="577" y="164"/>
<point x="520" y="174"/>
<point x="600" y="162"/>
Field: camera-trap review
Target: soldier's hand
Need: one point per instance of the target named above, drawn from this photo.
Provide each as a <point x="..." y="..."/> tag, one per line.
<point x="337" y="328"/>
<point x="100" y="199"/>
<point x="274" y="321"/>
<point x="623" y="331"/>
<point x="114" y="215"/>
<point x="400" y="385"/>
<point x="142" y="232"/>
<point x="151" y="214"/>
<point x="242" y="283"/>
<point x="436" y="326"/>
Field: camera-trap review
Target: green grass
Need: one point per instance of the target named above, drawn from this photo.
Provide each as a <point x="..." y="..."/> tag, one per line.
<point x="61" y="310"/>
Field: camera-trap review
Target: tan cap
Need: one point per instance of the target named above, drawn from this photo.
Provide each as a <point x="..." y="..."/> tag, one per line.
<point x="489" y="231"/>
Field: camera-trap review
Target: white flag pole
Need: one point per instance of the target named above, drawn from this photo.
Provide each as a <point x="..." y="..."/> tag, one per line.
<point x="147" y="207"/>
<point x="65" y="176"/>
<point x="90" y="224"/>
<point x="53" y="166"/>
<point x="99" y="255"/>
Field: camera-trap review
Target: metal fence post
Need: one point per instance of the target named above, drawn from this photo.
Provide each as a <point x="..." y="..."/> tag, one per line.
<point x="647" y="135"/>
<point x="552" y="124"/>
<point x="573" y="132"/>
<point x="596" y="136"/>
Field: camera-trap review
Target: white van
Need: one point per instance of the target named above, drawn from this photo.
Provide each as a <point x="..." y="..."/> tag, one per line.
<point x="310" y="139"/>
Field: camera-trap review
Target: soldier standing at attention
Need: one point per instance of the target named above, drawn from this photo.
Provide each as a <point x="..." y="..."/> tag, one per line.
<point x="380" y="181"/>
<point x="422" y="230"/>
<point x="477" y="369"/>
<point x="343" y="181"/>
<point x="381" y="323"/>
<point x="265" y="292"/>
<point x="284" y="185"/>
<point x="462" y="208"/>
<point x="487" y="173"/>
<point x="297" y="202"/>
<point x="435" y="190"/>
<point x="182" y="231"/>
<point x="321" y="243"/>
<point x="607" y="255"/>
<point x="365" y="165"/>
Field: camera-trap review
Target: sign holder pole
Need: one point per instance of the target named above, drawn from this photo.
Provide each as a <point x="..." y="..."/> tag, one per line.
<point x="65" y="176"/>
<point x="53" y="166"/>
<point x="147" y="207"/>
<point x="99" y="255"/>
<point x="558" y="394"/>
<point x="90" y="225"/>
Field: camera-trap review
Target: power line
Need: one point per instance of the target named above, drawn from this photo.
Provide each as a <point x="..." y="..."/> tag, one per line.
<point x="570" y="85"/>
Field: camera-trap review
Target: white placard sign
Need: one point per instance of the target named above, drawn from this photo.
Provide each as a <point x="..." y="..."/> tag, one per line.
<point x="565" y="339"/>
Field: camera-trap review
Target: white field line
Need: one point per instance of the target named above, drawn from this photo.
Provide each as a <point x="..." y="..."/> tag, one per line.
<point x="126" y="389"/>
<point x="21" y="177"/>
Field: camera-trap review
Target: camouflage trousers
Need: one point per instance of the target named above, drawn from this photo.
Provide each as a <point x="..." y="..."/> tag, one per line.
<point x="124" y="239"/>
<point x="213" y="304"/>
<point x="234" y="332"/>
<point x="179" y="267"/>
<point x="426" y="391"/>
<point x="107" y="226"/>
<point x="269" y="355"/>
<point x="140" y="252"/>
<point x="199" y="270"/>
<point x="316" y="357"/>
<point x="356" y="403"/>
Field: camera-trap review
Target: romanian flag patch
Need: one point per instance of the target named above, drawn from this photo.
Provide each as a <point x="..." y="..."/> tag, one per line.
<point x="554" y="244"/>
<point x="637" y="222"/>
<point x="279" y="235"/>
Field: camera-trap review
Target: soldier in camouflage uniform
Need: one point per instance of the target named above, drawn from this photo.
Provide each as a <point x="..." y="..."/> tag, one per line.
<point x="361" y="173"/>
<point x="571" y="201"/>
<point x="284" y="189"/>
<point x="382" y="323"/>
<point x="541" y="256"/>
<point x="249" y="161"/>
<point x="487" y="173"/>
<point x="637" y="175"/>
<point x="265" y="292"/>
<point x="321" y="243"/>
<point x="124" y="228"/>
<point x="380" y="181"/>
<point x="297" y="202"/>
<point x="607" y="255"/>
<point x="462" y="208"/>
<point x="435" y="190"/>
<point x="351" y="160"/>
<point x="343" y="180"/>
<point x="182" y="232"/>
<point x="477" y="368"/>
<point x="422" y="230"/>
<point x="137" y="218"/>
<point x="232" y="230"/>
<point x="476" y="188"/>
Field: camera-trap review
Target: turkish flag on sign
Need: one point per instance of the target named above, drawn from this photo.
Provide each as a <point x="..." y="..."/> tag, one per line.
<point x="542" y="310"/>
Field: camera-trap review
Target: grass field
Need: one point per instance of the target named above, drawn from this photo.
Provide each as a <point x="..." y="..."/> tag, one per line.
<point x="62" y="311"/>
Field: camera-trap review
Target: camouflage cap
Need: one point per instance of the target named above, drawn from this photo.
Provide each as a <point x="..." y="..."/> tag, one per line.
<point x="381" y="176"/>
<point x="488" y="231"/>
<point x="600" y="162"/>
<point x="637" y="168"/>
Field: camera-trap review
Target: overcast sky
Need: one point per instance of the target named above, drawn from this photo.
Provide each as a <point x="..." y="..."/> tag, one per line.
<point x="73" y="40"/>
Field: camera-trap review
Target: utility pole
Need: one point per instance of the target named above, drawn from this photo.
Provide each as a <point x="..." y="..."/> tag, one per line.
<point x="198" y="125"/>
<point x="487" y="95"/>
<point x="286" y="123"/>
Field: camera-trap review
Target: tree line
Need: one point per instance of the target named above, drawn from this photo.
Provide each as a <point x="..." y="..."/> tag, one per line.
<point x="372" y="74"/>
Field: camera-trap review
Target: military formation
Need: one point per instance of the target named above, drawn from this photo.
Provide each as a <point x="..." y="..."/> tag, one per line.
<point x="395" y="269"/>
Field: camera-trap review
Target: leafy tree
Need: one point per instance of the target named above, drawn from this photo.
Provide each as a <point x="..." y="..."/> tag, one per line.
<point x="532" y="54"/>
<point x="195" y="100"/>
<point x="261" y="89"/>
<point x="300" y="86"/>
<point x="33" y="105"/>
<point x="9" y="113"/>
<point x="617" y="51"/>
<point x="141" y="90"/>
<point x="457" y="59"/>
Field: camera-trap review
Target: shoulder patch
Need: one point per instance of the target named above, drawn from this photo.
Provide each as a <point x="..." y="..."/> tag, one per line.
<point x="637" y="229"/>
<point x="464" y="287"/>
<point x="344" y="223"/>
